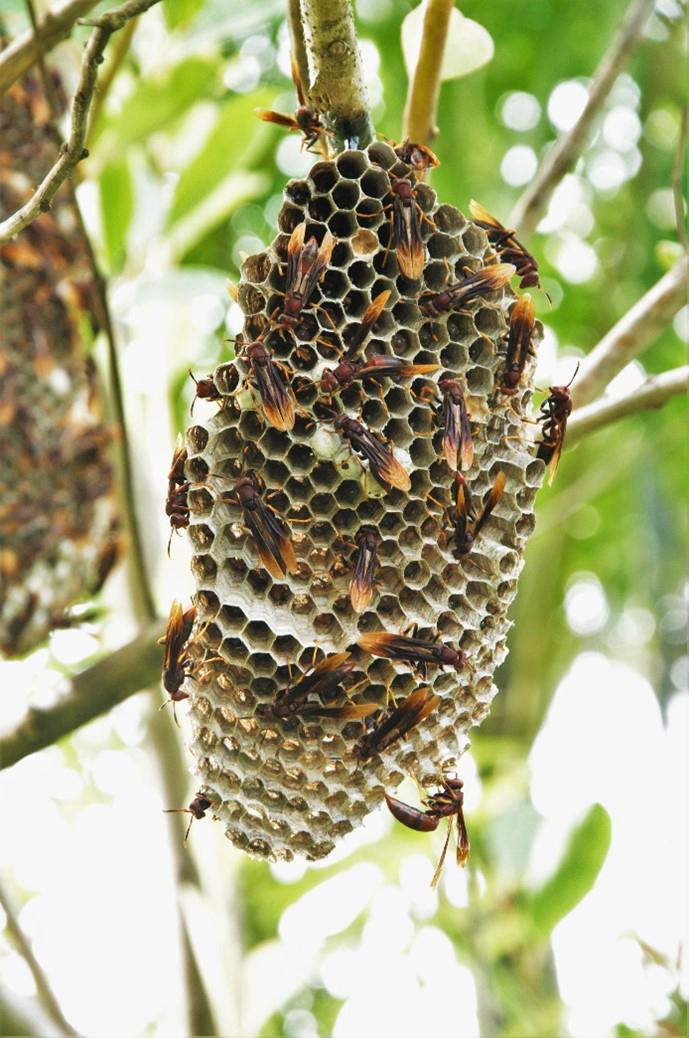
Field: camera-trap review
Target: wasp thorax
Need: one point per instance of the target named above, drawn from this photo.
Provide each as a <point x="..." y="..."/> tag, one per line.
<point x="337" y="529"/>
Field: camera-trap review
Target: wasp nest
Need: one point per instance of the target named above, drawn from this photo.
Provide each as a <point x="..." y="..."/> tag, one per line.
<point x="294" y="786"/>
<point x="58" y="527"/>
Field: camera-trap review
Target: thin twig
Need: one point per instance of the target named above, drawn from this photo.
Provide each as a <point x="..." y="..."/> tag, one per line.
<point x="296" y="33"/>
<point x="639" y="327"/>
<point x="424" y="87"/>
<point x="654" y="392"/>
<point x="533" y="203"/>
<point x="92" y="692"/>
<point x="174" y="778"/>
<point x="677" y="178"/>
<point x="55" y="26"/>
<point x="74" y="150"/>
<point x="44" y="992"/>
<point x="337" y="87"/>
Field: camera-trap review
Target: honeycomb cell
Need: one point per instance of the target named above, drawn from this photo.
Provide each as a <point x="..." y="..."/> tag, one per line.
<point x="295" y="787"/>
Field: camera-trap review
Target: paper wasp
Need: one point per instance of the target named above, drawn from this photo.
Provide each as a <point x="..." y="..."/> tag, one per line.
<point x="519" y="348"/>
<point x="325" y="681"/>
<point x="419" y="652"/>
<point x="399" y="721"/>
<point x="271" y="379"/>
<point x="177" y="662"/>
<point x="418" y="156"/>
<point x="458" y="445"/>
<point x="365" y="565"/>
<point x="305" y="120"/>
<point x="446" y="803"/>
<point x="466" y="522"/>
<point x="378" y="366"/>
<point x="554" y="413"/>
<point x="206" y="389"/>
<point x="197" y="809"/>
<point x="267" y="528"/>
<point x="176" y="505"/>
<point x="306" y="264"/>
<point x="382" y="462"/>
<point x="489" y="279"/>
<point x="508" y="246"/>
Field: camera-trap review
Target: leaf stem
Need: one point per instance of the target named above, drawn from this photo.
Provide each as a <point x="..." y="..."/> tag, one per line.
<point x="424" y="87"/>
<point x="656" y="391"/>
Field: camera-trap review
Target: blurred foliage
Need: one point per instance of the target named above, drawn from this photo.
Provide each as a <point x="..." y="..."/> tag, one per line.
<point x="180" y="161"/>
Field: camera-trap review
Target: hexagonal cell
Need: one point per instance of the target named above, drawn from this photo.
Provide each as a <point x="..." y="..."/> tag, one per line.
<point x="320" y="208"/>
<point x="361" y="274"/>
<point x="375" y="184"/>
<point x="474" y="239"/>
<point x="197" y="439"/>
<point x="204" y="568"/>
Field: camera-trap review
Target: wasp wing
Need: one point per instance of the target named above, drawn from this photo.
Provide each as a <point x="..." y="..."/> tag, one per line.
<point x="491" y="501"/>
<point x="383" y="463"/>
<point x="408" y="241"/>
<point x="361" y="586"/>
<point x="276" y="394"/>
<point x="271" y="538"/>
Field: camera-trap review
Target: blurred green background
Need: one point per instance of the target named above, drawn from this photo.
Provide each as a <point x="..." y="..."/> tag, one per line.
<point x="571" y="916"/>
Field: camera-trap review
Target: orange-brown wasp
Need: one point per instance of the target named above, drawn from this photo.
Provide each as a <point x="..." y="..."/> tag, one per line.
<point x="304" y="121"/>
<point x="176" y="505"/>
<point x="268" y="529"/>
<point x="324" y="681"/>
<point x="306" y="264"/>
<point x="508" y="246"/>
<point x="177" y="662"/>
<point x="271" y="379"/>
<point x="466" y="522"/>
<point x="385" y="467"/>
<point x="489" y="279"/>
<point x="419" y="652"/>
<point x="554" y="413"/>
<point x="446" y="803"/>
<point x="398" y="722"/>
<point x="519" y="347"/>
<point x="365" y="564"/>
<point x="197" y="809"/>
<point x="458" y="445"/>
<point x="418" y="156"/>
<point x="206" y="389"/>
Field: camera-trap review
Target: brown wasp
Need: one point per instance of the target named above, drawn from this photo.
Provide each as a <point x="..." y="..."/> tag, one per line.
<point x="268" y="528"/>
<point x="205" y="389"/>
<point x="197" y="809"/>
<point x="176" y="505"/>
<point x="304" y="120"/>
<point x="271" y="379"/>
<point x="458" y="445"/>
<point x="407" y="215"/>
<point x="418" y="156"/>
<point x="489" y="279"/>
<point x="385" y="467"/>
<point x="554" y="413"/>
<point x="363" y="329"/>
<point x="400" y="720"/>
<point x="519" y="348"/>
<point x="419" y="652"/>
<point x="365" y="564"/>
<point x="177" y="662"/>
<point x="508" y="246"/>
<point x="378" y="366"/>
<point x="325" y="681"/>
<point x="466" y="522"/>
<point x="447" y="803"/>
<point x="305" y="267"/>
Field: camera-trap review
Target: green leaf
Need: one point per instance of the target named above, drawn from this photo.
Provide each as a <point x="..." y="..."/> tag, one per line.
<point x="116" y="206"/>
<point x="234" y="190"/>
<point x="224" y="150"/>
<point x="180" y="12"/>
<point x="577" y="872"/>
<point x="157" y="104"/>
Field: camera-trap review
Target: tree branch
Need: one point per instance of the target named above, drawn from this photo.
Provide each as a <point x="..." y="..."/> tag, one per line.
<point x="639" y="327"/>
<point x="93" y="692"/>
<point x="562" y="155"/>
<point x="424" y="87"/>
<point x="653" y="393"/>
<point x="74" y="151"/>
<point x="23" y="52"/>
<point x="44" y="991"/>
<point x="337" y="88"/>
<point x="296" y="35"/>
